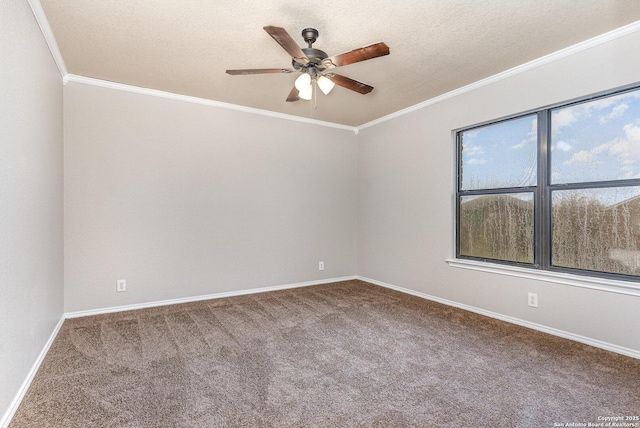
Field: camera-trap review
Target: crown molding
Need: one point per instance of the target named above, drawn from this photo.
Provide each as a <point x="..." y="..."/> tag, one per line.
<point x="571" y="50"/>
<point x="202" y="101"/>
<point x="38" y="12"/>
<point x="43" y="23"/>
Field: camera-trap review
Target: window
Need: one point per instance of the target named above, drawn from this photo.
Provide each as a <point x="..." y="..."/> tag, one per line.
<point x="558" y="189"/>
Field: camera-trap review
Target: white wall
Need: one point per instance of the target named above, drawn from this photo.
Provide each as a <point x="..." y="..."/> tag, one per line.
<point x="406" y="187"/>
<point x="31" y="205"/>
<point x="185" y="200"/>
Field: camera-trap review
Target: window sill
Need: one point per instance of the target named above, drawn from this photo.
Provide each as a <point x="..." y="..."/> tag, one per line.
<point x="602" y="284"/>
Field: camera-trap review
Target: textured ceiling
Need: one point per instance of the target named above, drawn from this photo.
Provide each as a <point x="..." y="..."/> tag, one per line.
<point x="436" y="46"/>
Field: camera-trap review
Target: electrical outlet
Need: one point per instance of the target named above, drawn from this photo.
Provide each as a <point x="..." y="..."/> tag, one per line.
<point x="121" y="285"/>
<point x="320" y="265"/>
<point x="533" y="300"/>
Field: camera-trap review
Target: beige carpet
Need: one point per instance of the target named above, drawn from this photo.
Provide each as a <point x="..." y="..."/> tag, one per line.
<point x="340" y="355"/>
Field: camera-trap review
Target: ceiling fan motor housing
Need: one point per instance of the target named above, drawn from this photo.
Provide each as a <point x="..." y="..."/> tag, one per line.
<point x="315" y="56"/>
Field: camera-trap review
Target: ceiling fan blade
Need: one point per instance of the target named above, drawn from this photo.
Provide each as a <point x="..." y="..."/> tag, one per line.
<point x="283" y="38"/>
<point x="349" y="83"/>
<point x="259" y="71"/>
<point x="293" y="95"/>
<point x="372" y="51"/>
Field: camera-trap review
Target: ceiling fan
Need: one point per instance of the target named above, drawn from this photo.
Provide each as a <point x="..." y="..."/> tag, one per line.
<point x="315" y="65"/>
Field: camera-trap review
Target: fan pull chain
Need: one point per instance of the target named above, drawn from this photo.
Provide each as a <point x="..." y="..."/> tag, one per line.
<point x="315" y="94"/>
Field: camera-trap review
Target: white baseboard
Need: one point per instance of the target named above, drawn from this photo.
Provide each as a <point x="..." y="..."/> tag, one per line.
<point x="6" y="418"/>
<point x="8" y="415"/>
<point x="550" y="330"/>
<point x="205" y="297"/>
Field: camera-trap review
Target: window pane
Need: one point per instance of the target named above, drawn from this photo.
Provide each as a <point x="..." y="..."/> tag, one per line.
<point x="597" y="140"/>
<point x="597" y="229"/>
<point x="497" y="227"/>
<point x="500" y="155"/>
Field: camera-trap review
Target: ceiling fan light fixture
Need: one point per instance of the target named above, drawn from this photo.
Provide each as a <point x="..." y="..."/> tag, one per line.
<point x="306" y="93"/>
<point x="325" y="85"/>
<point x="302" y="82"/>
